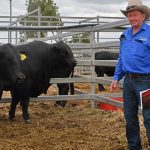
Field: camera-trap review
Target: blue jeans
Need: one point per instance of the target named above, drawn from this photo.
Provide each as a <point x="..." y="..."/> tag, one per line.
<point x="131" y="89"/>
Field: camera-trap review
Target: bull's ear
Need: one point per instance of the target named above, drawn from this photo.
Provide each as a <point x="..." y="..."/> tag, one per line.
<point x="60" y="51"/>
<point x="57" y="50"/>
<point x="5" y="48"/>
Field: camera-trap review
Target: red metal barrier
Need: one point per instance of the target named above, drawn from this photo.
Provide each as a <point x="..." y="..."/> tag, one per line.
<point x="109" y="107"/>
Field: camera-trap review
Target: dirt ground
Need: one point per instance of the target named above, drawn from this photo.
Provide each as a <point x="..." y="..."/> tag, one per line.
<point x="72" y="128"/>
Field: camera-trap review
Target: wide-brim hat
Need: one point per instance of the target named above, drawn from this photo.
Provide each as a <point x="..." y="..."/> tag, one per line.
<point x="137" y="5"/>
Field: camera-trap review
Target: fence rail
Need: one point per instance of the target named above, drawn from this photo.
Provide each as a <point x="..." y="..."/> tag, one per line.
<point x="96" y="32"/>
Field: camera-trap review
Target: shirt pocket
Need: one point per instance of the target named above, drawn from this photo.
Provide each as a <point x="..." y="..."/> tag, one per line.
<point x="141" y="50"/>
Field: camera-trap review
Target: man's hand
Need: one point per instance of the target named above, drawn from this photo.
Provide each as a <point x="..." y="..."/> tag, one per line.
<point x="114" y="86"/>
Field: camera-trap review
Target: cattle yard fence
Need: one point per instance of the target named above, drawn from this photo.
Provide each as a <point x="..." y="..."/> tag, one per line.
<point x="103" y="35"/>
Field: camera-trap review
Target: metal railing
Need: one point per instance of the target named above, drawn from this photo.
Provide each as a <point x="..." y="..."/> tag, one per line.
<point x="61" y="33"/>
<point x="17" y="25"/>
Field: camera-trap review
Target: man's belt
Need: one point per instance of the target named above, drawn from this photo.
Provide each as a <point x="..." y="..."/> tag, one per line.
<point x="136" y="75"/>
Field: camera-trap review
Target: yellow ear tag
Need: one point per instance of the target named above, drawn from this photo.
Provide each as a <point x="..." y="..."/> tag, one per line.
<point x="23" y="56"/>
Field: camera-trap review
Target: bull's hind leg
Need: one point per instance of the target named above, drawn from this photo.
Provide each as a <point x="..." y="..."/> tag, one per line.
<point x="101" y="87"/>
<point x="25" y="114"/>
<point x="12" y="110"/>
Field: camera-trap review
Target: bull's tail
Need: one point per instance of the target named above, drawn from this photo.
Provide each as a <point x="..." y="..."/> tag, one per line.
<point x="72" y="91"/>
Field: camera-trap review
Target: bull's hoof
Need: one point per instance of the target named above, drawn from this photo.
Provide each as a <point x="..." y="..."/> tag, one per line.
<point x="102" y="89"/>
<point x="63" y="106"/>
<point x="56" y="105"/>
<point x="28" y="121"/>
<point x="60" y="104"/>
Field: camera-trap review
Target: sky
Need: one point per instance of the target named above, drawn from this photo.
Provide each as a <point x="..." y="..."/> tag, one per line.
<point x="76" y="8"/>
<point x="73" y="7"/>
<point x="90" y="8"/>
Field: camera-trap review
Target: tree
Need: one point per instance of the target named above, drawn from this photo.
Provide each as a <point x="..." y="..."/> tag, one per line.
<point x="83" y="38"/>
<point x="48" y="8"/>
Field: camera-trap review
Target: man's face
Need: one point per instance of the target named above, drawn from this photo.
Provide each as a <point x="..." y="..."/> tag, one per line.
<point x="136" y="18"/>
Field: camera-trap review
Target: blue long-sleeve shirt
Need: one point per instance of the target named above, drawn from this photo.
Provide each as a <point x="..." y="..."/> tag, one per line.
<point x="134" y="56"/>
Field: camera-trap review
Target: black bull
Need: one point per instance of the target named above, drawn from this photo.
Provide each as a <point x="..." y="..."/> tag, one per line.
<point x="40" y="62"/>
<point x="105" y="70"/>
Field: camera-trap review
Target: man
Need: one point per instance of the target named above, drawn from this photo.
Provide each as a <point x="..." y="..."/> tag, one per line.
<point x="134" y="64"/>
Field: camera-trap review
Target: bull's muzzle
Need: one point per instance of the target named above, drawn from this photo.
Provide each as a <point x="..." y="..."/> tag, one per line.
<point x="20" y="78"/>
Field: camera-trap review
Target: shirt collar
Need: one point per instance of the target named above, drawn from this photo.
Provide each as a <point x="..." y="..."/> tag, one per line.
<point x="143" y="27"/>
<point x="129" y="30"/>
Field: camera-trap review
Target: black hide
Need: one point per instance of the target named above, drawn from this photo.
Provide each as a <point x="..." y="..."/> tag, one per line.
<point x="101" y="70"/>
<point x="42" y="61"/>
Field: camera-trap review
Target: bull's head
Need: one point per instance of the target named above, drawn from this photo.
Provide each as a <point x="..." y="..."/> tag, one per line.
<point x="64" y="54"/>
<point x="63" y="62"/>
<point x="10" y="70"/>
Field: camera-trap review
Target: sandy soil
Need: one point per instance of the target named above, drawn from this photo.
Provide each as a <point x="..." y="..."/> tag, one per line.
<point x="71" y="128"/>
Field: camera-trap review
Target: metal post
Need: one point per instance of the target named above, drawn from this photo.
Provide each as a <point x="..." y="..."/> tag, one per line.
<point x="16" y="34"/>
<point x="8" y="35"/>
<point x="25" y="32"/>
<point x="59" y="35"/>
<point x="97" y="31"/>
<point x="39" y="21"/>
<point x="10" y="20"/>
<point x="92" y="88"/>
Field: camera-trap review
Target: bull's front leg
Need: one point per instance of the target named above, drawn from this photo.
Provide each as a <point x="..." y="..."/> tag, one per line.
<point x="25" y="114"/>
<point x="12" y="110"/>
<point x="100" y="86"/>
<point x="63" y="89"/>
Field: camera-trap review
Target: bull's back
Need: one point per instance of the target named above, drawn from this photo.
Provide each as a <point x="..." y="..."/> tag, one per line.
<point x="104" y="55"/>
<point x="34" y="49"/>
